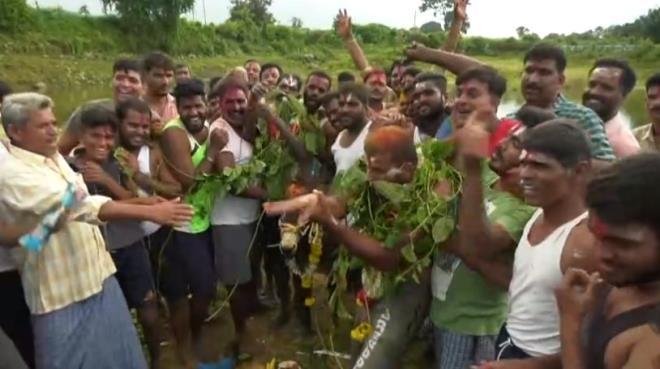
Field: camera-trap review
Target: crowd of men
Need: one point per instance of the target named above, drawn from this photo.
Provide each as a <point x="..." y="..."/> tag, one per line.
<point x="554" y="254"/>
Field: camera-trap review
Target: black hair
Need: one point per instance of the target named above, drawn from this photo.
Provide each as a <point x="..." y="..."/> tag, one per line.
<point x="359" y="91"/>
<point x="532" y="116"/>
<point x="98" y="116"/>
<point x="345" y="77"/>
<point x="547" y="52"/>
<point x="157" y="59"/>
<point x="399" y="62"/>
<point x="653" y="81"/>
<point x="412" y="71"/>
<point x="126" y="65"/>
<point x="4" y="90"/>
<point x="327" y="98"/>
<point x="132" y="103"/>
<point x="437" y="79"/>
<point x="627" y="191"/>
<point x="485" y="74"/>
<point x="628" y="76"/>
<point x="180" y="65"/>
<point x="560" y="139"/>
<point x="212" y="83"/>
<point x="188" y="88"/>
<point x="268" y="66"/>
<point x="321" y="74"/>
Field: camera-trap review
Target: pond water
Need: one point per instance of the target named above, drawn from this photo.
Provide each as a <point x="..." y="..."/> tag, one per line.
<point x="68" y="99"/>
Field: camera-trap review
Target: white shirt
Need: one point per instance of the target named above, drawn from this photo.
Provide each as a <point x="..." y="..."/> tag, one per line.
<point x="345" y="157"/>
<point x="533" y="320"/>
<point x="234" y="210"/>
<point x="6" y="261"/>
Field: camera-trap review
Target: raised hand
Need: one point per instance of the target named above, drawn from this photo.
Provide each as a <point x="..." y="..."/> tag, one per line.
<point x="344" y="25"/>
<point x="460" y="9"/>
<point x="415" y="51"/>
<point x="217" y="141"/>
<point x="577" y="292"/>
<point x="473" y="138"/>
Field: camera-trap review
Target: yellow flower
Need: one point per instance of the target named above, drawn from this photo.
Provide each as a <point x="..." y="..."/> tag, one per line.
<point x="310" y="301"/>
<point x="306" y="281"/>
<point x="271" y="364"/>
<point x="361" y="332"/>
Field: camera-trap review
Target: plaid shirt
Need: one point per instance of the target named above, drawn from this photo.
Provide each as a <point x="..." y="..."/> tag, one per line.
<point x="646" y="138"/>
<point x="590" y="122"/>
<point x="74" y="263"/>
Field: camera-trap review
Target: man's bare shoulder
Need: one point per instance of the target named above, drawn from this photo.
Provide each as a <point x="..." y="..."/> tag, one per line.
<point x="636" y="348"/>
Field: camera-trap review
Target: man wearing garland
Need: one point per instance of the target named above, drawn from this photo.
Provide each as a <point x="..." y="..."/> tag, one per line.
<point x="396" y="248"/>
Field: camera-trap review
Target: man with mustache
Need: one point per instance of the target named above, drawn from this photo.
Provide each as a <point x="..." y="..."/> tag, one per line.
<point x="234" y="216"/>
<point x="158" y="75"/>
<point x="649" y="135"/>
<point x="253" y="69"/>
<point x="428" y="102"/>
<point x="190" y="152"/>
<point x="79" y="316"/>
<point x="469" y="294"/>
<point x="611" y="319"/>
<point x="555" y="167"/>
<point x="353" y="123"/>
<point x="610" y="82"/>
<point x="126" y="82"/>
<point x="542" y="83"/>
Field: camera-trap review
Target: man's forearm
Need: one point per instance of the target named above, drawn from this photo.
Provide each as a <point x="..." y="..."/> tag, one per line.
<point x="453" y="62"/>
<point x="364" y="247"/>
<point x="571" y="346"/>
<point x="357" y="54"/>
<point x="474" y="226"/>
<point x="152" y="185"/>
<point x="114" y="210"/>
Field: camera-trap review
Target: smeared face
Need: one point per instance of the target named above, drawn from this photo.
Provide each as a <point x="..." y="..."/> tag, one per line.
<point x="377" y="83"/>
<point x="253" y="69"/>
<point x="352" y="113"/>
<point x="396" y="77"/>
<point x="159" y="81"/>
<point x="541" y="82"/>
<point x="270" y="77"/>
<point x="604" y="93"/>
<point x="315" y="89"/>
<point x="382" y="167"/>
<point x="471" y="96"/>
<point x="289" y="84"/>
<point x="135" y="129"/>
<point x="192" y="111"/>
<point x="629" y="254"/>
<point x="38" y="135"/>
<point x="98" y="142"/>
<point x="653" y="103"/>
<point x="428" y="100"/>
<point x="544" y="180"/>
<point x="507" y="155"/>
<point x="233" y="106"/>
<point x="125" y="84"/>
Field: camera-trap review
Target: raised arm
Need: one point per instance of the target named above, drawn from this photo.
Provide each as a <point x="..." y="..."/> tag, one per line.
<point x="345" y="31"/>
<point x="453" y="62"/>
<point x="454" y="35"/>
